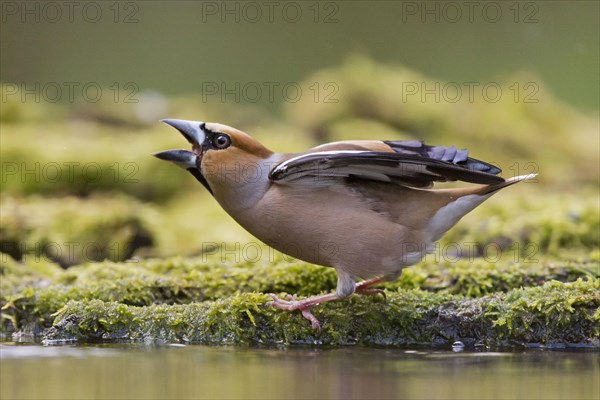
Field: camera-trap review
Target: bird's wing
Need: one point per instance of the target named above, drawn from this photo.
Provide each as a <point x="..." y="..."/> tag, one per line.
<point x="410" y="163"/>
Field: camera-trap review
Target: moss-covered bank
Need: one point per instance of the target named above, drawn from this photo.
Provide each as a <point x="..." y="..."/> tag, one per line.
<point x="207" y="301"/>
<point x="555" y="314"/>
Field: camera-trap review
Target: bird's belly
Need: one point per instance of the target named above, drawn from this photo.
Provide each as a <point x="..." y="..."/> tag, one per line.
<point x="336" y="231"/>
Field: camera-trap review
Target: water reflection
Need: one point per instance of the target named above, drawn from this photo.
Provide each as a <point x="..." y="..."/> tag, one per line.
<point x="132" y="371"/>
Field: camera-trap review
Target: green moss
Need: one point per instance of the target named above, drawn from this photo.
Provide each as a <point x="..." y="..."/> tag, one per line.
<point x="27" y="301"/>
<point x="108" y="227"/>
<point x="88" y="156"/>
<point x="85" y="158"/>
<point x="479" y="277"/>
<point x="205" y="300"/>
<point x="555" y="313"/>
<point x="36" y="269"/>
<point x="529" y="223"/>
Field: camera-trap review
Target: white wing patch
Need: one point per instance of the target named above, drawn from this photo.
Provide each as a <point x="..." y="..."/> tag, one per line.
<point x="285" y="164"/>
<point x="315" y="173"/>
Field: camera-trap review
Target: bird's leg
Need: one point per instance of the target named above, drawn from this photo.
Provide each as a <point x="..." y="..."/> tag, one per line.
<point x="305" y="305"/>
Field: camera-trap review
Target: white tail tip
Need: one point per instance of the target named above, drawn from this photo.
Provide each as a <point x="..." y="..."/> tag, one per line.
<point x="519" y="178"/>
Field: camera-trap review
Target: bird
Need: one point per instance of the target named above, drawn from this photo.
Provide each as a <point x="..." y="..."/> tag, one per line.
<point x="366" y="208"/>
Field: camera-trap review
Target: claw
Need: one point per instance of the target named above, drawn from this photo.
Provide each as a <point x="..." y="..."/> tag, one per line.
<point x="314" y="322"/>
<point x="292" y="304"/>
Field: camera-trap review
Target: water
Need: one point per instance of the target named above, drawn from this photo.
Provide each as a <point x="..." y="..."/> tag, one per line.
<point x="139" y="371"/>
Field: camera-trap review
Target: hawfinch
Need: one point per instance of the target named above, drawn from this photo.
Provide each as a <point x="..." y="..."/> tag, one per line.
<point x="365" y="208"/>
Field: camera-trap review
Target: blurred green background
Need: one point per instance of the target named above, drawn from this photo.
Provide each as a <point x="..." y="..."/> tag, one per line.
<point x="175" y="46"/>
<point x="84" y="85"/>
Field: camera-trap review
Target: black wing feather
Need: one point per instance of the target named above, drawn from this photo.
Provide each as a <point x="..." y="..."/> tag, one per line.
<point x="443" y="153"/>
<point x="412" y="163"/>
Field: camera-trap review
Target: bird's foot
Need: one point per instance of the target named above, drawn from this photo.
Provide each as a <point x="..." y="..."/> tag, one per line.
<point x="292" y="304"/>
<point x="368" y="291"/>
<point x="365" y="288"/>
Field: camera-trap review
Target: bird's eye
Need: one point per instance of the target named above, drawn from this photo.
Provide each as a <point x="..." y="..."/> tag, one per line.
<point x="222" y="141"/>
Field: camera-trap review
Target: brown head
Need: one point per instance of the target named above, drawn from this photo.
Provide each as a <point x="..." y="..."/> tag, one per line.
<point x="222" y="157"/>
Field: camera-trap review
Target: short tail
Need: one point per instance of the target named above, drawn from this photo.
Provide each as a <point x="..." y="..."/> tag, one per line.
<point x="463" y="200"/>
<point x="510" y="181"/>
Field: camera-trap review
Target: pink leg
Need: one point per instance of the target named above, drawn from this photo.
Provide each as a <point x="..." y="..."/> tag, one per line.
<point x="305" y="305"/>
<point x="365" y="288"/>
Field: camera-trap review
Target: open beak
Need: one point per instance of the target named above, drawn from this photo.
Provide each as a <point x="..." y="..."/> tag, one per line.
<point x="193" y="131"/>
<point x="183" y="158"/>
